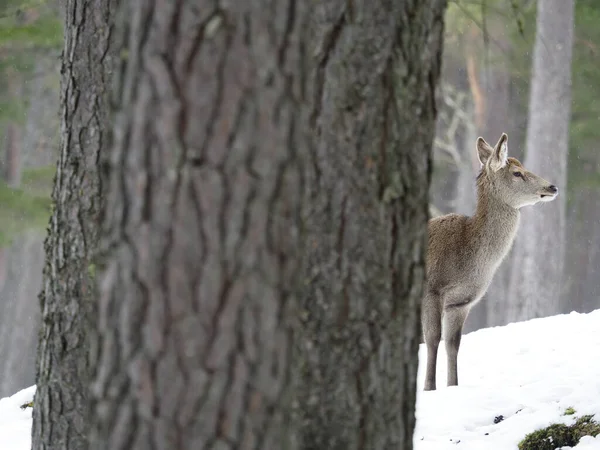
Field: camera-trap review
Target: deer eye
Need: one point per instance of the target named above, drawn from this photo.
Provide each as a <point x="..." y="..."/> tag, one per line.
<point x="518" y="174"/>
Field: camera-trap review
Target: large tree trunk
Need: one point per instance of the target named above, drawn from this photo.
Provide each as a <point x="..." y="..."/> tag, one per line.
<point x="536" y="281"/>
<point x="200" y="229"/>
<point x="68" y="292"/>
<point x="374" y="115"/>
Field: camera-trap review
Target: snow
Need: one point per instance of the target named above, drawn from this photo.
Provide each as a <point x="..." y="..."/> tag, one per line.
<point x="15" y="423"/>
<point x="528" y="372"/>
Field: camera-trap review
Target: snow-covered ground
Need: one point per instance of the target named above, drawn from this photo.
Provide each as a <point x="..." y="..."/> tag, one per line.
<point x="529" y="373"/>
<point x="15" y="423"/>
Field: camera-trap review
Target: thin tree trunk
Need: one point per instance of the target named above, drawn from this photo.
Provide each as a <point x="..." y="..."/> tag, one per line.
<point x="12" y="155"/>
<point x="496" y="85"/>
<point x="60" y="419"/>
<point x="374" y="115"/>
<point x="478" y="316"/>
<point x="591" y="285"/>
<point x="472" y="55"/>
<point x="20" y="314"/>
<point x="3" y="266"/>
<point x="467" y="188"/>
<point x="536" y="281"/>
<point x="40" y="143"/>
<point x="582" y="253"/>
<point x="200" y="229"/>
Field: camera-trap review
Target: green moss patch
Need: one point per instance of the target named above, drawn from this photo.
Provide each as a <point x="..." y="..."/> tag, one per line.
<point x="560" y="435"/>
<point x="27" y="405"/>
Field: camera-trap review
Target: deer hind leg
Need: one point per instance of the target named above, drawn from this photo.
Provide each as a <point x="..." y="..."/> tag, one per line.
<point x="431" y="316"/>
<point x="454" y="319"/>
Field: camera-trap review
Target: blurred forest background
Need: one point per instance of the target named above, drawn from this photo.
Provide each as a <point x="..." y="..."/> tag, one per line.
<point x="30" y="47"/>
<point x="485" y="90"/>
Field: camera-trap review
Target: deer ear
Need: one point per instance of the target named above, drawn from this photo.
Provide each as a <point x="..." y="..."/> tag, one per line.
<point x="500" y="154"/>
<point x="484" y="150"/>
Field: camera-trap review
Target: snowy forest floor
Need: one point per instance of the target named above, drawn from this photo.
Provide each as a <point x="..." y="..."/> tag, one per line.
<point x="523" y="376"/>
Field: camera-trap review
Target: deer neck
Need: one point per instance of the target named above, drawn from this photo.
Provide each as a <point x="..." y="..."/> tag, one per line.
<point x="494" y="227"/>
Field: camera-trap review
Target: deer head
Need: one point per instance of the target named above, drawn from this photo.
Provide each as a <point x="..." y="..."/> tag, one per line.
<point x="505" y="178"/>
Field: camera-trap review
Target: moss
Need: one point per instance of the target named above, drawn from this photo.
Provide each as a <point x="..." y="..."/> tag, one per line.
<point x="27" y="405"/>
<point x="560" y="435"/>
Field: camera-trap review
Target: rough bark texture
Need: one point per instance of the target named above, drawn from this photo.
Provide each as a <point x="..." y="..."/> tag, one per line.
<point x="536" y="281"/>
<point x="68" y="294"/>
<point x="200" y="231"/>
<point x="374" y="115"/>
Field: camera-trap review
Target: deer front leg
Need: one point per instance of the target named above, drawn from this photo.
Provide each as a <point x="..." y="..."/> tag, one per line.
<point x="454" y="319"/>
<point x="432" y="333"/>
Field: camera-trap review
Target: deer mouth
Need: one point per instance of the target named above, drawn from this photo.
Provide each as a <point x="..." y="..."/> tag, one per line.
<point x="547" y="197"/>
<point x="549" y="193"/>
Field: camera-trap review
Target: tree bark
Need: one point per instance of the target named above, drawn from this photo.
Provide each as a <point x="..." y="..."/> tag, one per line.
<point x="200" y="229"/>
<point x="374" y="116"/>
<point x="68" y="291"/>
<point x="536" y="281"/>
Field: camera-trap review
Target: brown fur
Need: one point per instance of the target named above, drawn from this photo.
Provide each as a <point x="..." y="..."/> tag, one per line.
<point x="465" y="252"/>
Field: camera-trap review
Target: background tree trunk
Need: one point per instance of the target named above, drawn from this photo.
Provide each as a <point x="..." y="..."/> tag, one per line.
<point x="374" y="115"/>
<point x="60" y="418"/>
<point x="12" y="155"/>
<point x="40" y="139"/>
<point x="583" y="254"/>
<point x="536" y="281"/>
<point x="494" y="69"/>
<point x="200" y="230"/>
<point x="21" y="271"/>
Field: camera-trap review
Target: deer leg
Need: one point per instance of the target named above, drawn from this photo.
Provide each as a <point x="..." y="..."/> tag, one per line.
<point x="454" y="319"/>
<point x="431" y="316"/>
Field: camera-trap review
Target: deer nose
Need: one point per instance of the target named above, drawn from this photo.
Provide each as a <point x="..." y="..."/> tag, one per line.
<point x="552" y="189"/>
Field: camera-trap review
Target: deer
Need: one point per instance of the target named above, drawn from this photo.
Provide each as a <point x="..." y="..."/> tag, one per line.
<point x="464" y="252"/>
